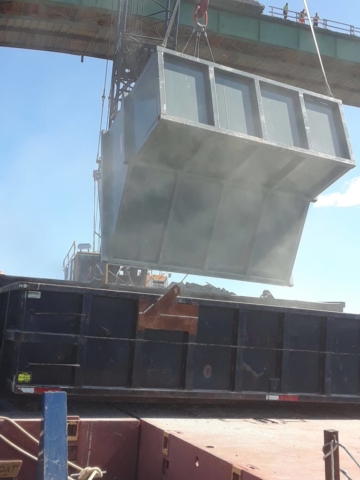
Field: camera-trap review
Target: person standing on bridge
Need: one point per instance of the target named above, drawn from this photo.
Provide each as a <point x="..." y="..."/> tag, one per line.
<point x="302" y="16"/>
<point x="316" y="20"/>
<point x="286" y="11"/>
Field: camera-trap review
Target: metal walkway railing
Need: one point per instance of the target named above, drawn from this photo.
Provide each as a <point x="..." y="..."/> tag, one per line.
<point x="322" y="23"/>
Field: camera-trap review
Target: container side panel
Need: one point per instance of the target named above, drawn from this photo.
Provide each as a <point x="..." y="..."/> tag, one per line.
<point x="112" y="165"/>
<point x="112" y="317"/>
<point x="236" y="103"/>
<point x="261" y="330"/>
<point x="16" y="309"/>
<point x="170" y="146"/>
<point x="113" y="175"/>
<point x="107" y="362"/>
<point x="3" y="309"/>
<point x="145" y="103"/>
<point x="107" y="193"/>
<point x="235" y="229"/>
<point x="54" y="312"/>
<point x="129" y="128"/>
<point x="212" y="364"/>
<point x="212" y="367"/>
<point x="345" y="336"/>
<point x="191" y="222"/>
<point x="284" y="122"/>
<point x="118" y="169"/>
<point x="161" y="359"/>
<point x="302" y="332"/>
<point x="143" y="214"/>
<point x="257" y="368"/>
<point x="345" y="356"/>
<point x="49" y="364"/>
<point x="310" y="178"/>
<point x="326" y="128"/>
<point x="207" y="158"/>
<point x="263" y="168"/>
<point x="279" y="231"/>
<point x="215" y="325"/>
<point x="303" y="376"/>
<point x="345" y="375"/>
<point x="5" y="346"/>
<point x="301" y="358"/>
<point x="187" y="87"/>
<point x="259" y="337"/>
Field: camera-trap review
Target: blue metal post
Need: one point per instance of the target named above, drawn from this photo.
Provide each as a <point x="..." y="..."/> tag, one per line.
<point x="52" y="457"/>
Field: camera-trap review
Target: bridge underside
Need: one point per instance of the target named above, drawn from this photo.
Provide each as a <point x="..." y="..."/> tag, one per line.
<point x="88" y="31"/>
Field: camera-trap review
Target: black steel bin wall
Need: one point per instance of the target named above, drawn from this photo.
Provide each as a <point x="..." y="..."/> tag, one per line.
<point x="343" y="366"/>
<point x="212" y="353"/>
<point x="259" y="351"/>
<point x="66" y="335"/>
<point x="88" y="342"/>
<point x="213" y="170"/>
<point x="304" y="354"/>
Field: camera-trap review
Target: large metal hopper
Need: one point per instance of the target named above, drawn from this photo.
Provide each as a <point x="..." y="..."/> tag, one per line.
<point x="210" y="171"/>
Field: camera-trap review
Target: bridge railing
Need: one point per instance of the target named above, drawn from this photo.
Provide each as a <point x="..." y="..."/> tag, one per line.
<point x="322" y="23"/>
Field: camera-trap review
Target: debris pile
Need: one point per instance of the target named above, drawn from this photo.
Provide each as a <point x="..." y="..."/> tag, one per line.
<point x="206" y="289"/>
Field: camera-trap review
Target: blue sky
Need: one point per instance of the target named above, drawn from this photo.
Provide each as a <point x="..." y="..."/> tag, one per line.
<point x="50" y="108"/>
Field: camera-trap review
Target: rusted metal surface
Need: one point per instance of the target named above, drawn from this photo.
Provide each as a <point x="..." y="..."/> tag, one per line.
<point x="98" y="443"/>
<point x="248" y="442"/>
<point x="198" y="443"/>
<point x="172" y="322"/>
<point x="184" y="460"/>
<point x="164" y="314"/>
<point x="164" y="302"/>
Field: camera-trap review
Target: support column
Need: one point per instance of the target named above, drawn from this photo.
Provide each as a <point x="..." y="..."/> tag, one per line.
<point x="52" y="456"/>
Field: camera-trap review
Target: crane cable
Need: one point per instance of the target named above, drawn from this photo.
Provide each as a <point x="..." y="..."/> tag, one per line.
<point x="317" y="49"/>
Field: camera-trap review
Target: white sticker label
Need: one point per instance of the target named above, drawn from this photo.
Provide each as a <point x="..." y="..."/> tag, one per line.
<point x="272" y="397"/>
<point x="26" y="389"/>
<point x="34" y="294"/>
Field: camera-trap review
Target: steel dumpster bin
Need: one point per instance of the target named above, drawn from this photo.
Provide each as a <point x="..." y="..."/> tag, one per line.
<point x="94" y="342"/>
<point x="211" y="171"/>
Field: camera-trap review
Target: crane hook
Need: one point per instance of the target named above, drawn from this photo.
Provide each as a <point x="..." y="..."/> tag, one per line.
<point x="201" y="10"/>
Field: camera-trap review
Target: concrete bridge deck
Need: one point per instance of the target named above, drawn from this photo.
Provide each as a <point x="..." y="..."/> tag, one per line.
<point x="260" y="44"/>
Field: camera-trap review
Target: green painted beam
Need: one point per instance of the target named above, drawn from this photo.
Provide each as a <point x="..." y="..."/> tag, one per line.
<point x="273" y="31"/>
<point x="263" y="29"/>
<point x="277" y="32"/>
